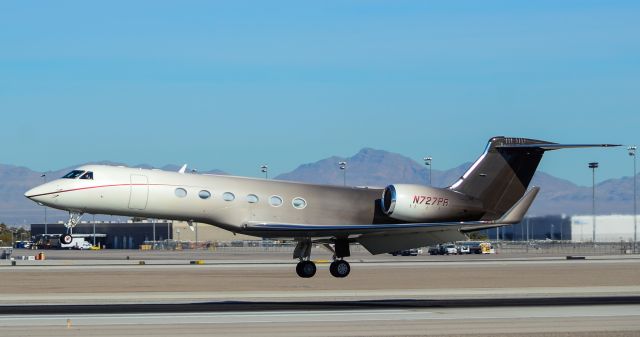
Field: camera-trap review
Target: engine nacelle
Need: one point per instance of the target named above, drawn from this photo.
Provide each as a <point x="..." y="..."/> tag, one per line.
<point x="418" y="203"/>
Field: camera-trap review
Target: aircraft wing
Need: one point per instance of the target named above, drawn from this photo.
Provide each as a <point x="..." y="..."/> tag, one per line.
<point x="383" y="238"/>
<point x="377" y="239"/>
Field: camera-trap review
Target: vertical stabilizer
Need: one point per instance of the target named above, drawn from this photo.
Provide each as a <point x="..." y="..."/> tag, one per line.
<point x="502" y="174"/>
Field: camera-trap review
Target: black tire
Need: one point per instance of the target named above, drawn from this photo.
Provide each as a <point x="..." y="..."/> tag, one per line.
<point x="306" y="269"/>
<point x="66" y="239"/>
<point x="340" y="268"/>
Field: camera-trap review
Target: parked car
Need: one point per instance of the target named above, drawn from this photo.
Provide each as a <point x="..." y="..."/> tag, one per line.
<point x="448" y="249"/>
<point x="407" y="252"/>
<point x="463" y="249"/>
<point x="472" y="246"/>
<point x="82" y="245"/>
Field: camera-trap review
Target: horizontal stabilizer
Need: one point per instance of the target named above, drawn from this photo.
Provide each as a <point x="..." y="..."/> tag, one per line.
<point x="516" y="213"/>
<point x="513" y="216"/>
<point x="553" y="146"/>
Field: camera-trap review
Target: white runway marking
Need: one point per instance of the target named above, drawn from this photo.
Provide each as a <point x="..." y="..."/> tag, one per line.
<point x="504" y="313"/>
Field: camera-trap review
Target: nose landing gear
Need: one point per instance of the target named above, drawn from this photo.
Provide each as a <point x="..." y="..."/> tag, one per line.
<point x="74" y="219"/>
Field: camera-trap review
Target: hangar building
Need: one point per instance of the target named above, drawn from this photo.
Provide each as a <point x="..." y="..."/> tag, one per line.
<point x="117" y="235"/>
<point x="609" y="228"/>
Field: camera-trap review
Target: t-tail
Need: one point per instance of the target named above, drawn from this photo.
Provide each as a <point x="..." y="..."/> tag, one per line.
<point x="500" y="177"/>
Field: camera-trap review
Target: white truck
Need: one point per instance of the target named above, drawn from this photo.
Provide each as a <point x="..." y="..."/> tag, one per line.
<point x="76" y="243"/>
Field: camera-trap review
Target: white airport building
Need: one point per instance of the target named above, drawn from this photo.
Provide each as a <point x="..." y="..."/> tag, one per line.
<point x="609" y="228"/>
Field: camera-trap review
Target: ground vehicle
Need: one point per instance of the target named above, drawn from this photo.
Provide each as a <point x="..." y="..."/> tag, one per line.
<point x="443" y="249"/>
<point x="463" y="249"/>
<point x="486" y="248"/>
<point x="406" y="252"/>
<point x="472" y="246"/>
<point x="23" y="244"/>
<point x="76" y="243"/>
<point x="83" y="245"/>
<point x="447" y="249"/>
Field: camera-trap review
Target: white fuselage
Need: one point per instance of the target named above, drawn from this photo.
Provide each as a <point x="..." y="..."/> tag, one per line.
<point x="206" y="198"/>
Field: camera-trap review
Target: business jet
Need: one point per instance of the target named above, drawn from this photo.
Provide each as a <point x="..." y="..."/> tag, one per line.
<point x="491" y="193"/>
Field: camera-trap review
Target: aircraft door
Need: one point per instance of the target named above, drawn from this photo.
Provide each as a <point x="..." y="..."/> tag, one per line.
<point x="139" y="192"/>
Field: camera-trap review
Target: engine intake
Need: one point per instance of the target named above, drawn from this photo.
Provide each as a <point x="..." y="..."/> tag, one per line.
<point x="389" y="200"/>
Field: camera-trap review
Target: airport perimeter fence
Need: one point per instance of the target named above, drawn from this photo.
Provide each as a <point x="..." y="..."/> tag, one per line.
<point x="539" y="248"/>
<point x="230" y="246"/>
<point x="563" y="248"/>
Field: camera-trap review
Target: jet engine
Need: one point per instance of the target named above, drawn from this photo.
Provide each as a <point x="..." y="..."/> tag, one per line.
<point x="419" y="203"/>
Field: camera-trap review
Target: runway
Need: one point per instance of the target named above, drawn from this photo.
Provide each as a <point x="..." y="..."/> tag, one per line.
<point x="601" y="320"/>
<point x="382" y="297"/>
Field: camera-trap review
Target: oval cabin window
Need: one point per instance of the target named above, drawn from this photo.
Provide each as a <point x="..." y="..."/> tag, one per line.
<point x="275" y="201"/>
<point x="299" y="203"/>
<point x="181" y="192"/>
<point x="228" y="196"/>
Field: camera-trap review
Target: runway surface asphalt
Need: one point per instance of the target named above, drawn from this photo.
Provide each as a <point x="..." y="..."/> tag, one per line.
<point x="555" y="320"/>
<point x="262" y="296"/>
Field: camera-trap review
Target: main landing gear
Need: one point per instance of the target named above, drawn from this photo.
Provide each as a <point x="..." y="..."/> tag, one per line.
<point x="74" y="219"/>
<point x="306" y="268"/>
<point x="339" y="268"/>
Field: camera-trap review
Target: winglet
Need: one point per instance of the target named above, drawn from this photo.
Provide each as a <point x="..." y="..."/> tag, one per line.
<point x="183" y="169"/>
<point x="516" y="213"/>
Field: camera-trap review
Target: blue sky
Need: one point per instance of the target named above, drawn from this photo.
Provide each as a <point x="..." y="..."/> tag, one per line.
<point x="232" y="85"/>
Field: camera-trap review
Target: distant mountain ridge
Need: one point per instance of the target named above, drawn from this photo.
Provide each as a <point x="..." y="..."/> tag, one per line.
<point x="371" y="167"/>
<point x="368" y="167"/>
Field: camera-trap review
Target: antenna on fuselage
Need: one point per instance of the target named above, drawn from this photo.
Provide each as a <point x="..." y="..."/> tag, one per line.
<point x="183" y="169"/>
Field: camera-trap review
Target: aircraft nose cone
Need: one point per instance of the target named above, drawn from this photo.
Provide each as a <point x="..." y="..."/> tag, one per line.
<point x="35" y="193"/>
<point x="30" y="193"/>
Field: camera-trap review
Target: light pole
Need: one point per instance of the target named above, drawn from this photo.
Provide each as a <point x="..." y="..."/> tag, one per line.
<point x="94" y="230"/>
<point x="45" y="207"/>
<point x="632" y="153"/>
<point x="427" y="162"/>
<point x="343" y="167"/>
<point x="593" y="166"/>
<point x="265" y="169"/>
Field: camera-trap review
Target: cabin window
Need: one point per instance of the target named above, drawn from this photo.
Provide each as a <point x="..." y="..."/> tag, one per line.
<point x="181" y="192"/>
<point x="228" y="196"/>
<point x="252" y="198"/>
<point x="88" y="175"/>
<point x="204" y="194"/>
<point x="275" y="201"/>
<point x="299" y="203"/>
<point x="73" y="174"/>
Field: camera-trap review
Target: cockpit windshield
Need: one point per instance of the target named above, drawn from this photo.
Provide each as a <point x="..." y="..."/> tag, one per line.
<point x="73" y="174"/>
<point x="88" y="175"/>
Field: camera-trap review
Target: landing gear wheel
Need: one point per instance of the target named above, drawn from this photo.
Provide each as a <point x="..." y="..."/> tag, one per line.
<point x="66" y="239"/>
<point x="306" y="269"/>
<point x="340" y="268"/>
